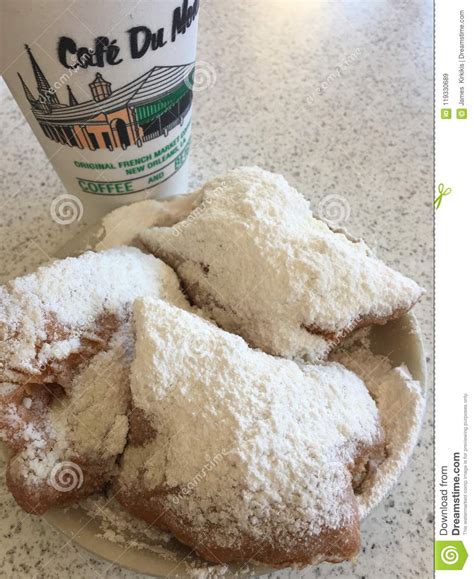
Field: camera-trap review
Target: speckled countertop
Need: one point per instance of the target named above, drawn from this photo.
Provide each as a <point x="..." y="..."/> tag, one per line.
<point x="337" y="96"/>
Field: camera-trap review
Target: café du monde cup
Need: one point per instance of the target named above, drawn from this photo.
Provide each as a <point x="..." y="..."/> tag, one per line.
<point x="107" y="87"/>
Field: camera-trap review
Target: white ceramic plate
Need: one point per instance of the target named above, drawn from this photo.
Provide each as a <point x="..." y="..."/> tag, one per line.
<point x="400" y="341"/>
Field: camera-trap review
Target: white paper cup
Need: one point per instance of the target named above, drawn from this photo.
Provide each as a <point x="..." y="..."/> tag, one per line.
<point x="106" y="86"/>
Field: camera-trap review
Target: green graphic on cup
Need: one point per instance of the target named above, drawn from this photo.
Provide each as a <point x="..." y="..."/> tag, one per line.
<point x="450" y="555"/>
<point x="461" y="113"/>
<point x="445" y="113"/>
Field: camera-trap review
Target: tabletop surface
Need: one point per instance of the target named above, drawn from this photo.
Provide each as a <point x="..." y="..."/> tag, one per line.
<point x="337" y="96"/>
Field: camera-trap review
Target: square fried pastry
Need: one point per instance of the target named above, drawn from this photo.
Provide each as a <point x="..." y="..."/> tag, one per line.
<point x="65" y="350"/>
<point x="252" y="255"/>
<point x="242" y="455"/>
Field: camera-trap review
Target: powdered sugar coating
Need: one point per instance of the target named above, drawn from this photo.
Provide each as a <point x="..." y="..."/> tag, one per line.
<point x="85" y="421"/>
<point x="92" y="420"/>
<point x="253" y="255"/>
<point x="72" y="294"/>
<point x="89" y="421"/>
<point x="248" y="442"/>
<point x="122" y="226"/>
<point x="401" y="403"/>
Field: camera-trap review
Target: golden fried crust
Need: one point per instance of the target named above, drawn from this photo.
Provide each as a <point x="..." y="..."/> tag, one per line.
<point x="275" y="547"/>
<point x="61" y="487"/>
<point x="38" y="499"/>
<point x="34" y="416"/>
<point x="335" y="338"/>
<point x="140" y="430"/>
<point x="366" y="463"/>
<point x="91" y="342"/>
<point x="87" y="477"/>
